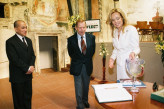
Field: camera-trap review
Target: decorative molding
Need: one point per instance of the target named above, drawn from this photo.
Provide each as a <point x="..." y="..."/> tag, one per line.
<point x="61" y="24"/>
<point x="17" y="2"/>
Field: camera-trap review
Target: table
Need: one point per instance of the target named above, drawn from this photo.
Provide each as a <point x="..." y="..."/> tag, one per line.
<point x="141" y="100"/>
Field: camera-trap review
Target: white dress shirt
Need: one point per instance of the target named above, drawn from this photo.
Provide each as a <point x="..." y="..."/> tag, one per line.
<point x="20" y="37"/>
<point x="128" y="42"/>
<point x="79" y="40"/>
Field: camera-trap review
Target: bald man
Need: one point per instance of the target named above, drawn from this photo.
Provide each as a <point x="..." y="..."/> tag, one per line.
<point x="21" y="66"/>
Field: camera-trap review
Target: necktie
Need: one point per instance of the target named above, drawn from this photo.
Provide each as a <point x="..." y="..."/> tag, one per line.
<point x="24" y="42"/>
<point x="83" y="46"/>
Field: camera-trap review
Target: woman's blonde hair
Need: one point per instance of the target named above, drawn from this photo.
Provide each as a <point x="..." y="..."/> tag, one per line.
<point x="122" y="14"/>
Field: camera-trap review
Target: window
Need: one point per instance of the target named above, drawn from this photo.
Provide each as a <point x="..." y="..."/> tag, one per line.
<point x="2" y="15"/>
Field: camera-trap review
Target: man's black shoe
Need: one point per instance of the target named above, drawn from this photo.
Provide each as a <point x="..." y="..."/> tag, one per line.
<point x="86" y="105"/>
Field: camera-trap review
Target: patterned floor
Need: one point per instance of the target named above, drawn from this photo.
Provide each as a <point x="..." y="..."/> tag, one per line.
<point x="51" y="90"/>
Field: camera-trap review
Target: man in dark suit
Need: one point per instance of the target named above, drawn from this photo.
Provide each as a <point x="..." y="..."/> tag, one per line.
<point x="81" y="48"/>
<point x="21" y="65"/>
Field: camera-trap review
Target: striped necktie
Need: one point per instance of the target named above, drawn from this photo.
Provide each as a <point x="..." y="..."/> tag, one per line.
<point x="83" y="46"/>
<point x="24" y="42"/>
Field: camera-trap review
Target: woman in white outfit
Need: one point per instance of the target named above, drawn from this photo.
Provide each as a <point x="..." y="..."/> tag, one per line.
<point x="125" y="42"/>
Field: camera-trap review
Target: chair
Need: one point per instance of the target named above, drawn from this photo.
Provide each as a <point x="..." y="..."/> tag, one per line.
<point x="157" y="27"/>
<point x="160" y="26"/>
<point x="143" y="27"/>
<point x="154" y="25"/>
<point x="142" y="24"/>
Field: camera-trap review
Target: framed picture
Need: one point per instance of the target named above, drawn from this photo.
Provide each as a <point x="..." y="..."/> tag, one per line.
<point x="93" y="25"/>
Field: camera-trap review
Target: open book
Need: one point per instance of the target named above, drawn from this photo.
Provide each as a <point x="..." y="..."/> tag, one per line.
<point x="128" y="83"/>
<point x="111" y="93"/>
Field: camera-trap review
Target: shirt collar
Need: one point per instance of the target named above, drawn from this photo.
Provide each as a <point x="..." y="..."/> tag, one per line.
<point x="19" y="36"/>
<point x="79" y="37"/>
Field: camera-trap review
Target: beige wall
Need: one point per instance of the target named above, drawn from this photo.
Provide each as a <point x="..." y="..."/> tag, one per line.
<point x="153" y="71"/>
<point x="4" y="65"/>
<point x="141" y="10"/>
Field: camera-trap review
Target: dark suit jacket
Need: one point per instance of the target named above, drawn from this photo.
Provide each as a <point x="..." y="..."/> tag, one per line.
<point x="20" y="58"/>
<point x="77" y="58"/>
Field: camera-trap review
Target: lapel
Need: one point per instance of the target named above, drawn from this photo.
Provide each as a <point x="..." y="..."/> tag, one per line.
<point x="88" y="42"/>
<point x="20" y="42"/>
<point x="28" y="43"/>
<point x="76" y="42"/>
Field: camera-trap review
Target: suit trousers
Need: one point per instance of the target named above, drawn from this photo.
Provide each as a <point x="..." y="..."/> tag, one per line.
<point x="22" y="94"/>
<point x="82" y="87"/>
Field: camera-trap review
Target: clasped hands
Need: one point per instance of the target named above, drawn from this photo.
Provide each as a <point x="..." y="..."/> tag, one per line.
<point x="111" y="61"/>
<point x="31" y="69"/>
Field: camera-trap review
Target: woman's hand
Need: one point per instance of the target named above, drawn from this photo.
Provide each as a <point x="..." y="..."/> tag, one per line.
<point x="132" y="55"/>
<point x="111" y="63"/>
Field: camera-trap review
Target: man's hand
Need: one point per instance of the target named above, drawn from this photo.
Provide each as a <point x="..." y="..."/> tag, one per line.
<point x="31" y="69"/>
<point x="29" y="72"/>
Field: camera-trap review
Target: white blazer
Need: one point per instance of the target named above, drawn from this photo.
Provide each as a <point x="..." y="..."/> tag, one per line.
<point x="128" y="42"/>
